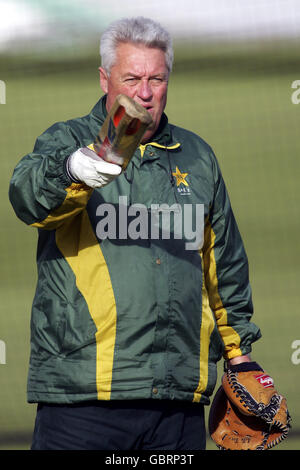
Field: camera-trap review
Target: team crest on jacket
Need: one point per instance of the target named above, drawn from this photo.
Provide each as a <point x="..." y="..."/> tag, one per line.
<point x="181" y="184"/>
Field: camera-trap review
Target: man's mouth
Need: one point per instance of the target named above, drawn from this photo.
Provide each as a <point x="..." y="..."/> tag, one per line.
<point x="146" y="106"/>
<point x="150" y="109"/>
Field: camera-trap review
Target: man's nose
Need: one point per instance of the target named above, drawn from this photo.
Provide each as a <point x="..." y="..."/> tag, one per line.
<point x="144" y="90"/>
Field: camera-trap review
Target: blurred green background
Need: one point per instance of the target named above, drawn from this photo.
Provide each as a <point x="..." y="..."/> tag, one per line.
<point x="237" y="96"/>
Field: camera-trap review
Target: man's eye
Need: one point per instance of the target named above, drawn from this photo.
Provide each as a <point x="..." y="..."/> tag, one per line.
<point x="158" y="80"/>
<point x="131" y="80"/>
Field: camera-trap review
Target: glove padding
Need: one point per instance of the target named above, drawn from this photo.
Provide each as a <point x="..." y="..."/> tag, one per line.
<point x="256" y="405"/>
<point x="85" y="166"/>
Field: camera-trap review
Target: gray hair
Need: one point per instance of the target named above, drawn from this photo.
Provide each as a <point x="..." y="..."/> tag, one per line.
<point x="137" y="30"/>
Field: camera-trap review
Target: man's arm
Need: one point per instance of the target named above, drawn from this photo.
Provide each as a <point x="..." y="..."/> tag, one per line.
<point x="239" y="360"/>
<point x="56" y="180"/>
<point x="227" y="276"/>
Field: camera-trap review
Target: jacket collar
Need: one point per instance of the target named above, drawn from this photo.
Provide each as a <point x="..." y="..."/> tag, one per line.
<point x="99" y="111"/>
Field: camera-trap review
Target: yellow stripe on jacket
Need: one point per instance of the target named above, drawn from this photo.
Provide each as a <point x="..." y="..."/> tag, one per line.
<point x="207" y="326"/>
<point x="229" y="336"/>
<point x="80" y="247"/>
<point x="77" y="196"/>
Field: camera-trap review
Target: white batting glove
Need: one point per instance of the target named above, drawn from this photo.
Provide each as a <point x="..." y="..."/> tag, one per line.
<point x="85" y="166"/>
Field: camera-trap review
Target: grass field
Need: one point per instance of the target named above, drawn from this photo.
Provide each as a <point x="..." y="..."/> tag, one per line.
<point x="242" y="106"/>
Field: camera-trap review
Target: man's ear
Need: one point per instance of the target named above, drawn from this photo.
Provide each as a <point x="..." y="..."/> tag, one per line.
<point x="103" y="79"/>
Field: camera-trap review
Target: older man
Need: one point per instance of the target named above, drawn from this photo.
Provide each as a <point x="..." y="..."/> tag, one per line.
<point x="127" y="331"/>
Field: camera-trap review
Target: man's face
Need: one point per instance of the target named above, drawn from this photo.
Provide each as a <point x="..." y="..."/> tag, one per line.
<point x="141" y="73"/>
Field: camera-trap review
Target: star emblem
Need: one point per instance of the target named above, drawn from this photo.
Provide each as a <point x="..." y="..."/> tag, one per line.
<point x="180" y="177"/>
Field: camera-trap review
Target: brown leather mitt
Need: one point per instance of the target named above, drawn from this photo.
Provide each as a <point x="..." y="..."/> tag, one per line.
<point x="232" y="430"/>
<point x="252" y="402"/>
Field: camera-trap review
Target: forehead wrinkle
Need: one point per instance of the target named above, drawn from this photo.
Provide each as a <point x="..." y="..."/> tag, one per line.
<point x="140" y="62"/>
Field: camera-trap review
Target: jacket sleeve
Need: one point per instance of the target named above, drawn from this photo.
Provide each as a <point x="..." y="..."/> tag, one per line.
<point x="227" y="275"/>
<point x="40" y="190"/>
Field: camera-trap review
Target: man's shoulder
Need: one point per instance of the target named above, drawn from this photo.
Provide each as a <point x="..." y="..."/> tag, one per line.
<point x="78" y="128"/>
<point x="187" y="137"/>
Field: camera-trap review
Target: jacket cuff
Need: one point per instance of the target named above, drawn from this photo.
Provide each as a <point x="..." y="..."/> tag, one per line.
<point x="67" y="171"/>
<point x="243" y="367"/>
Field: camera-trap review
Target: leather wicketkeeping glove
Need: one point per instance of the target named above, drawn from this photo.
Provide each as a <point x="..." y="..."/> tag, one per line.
<point x="253" y="392"/>
<point x="247" y="412"/>
<point x="85" y="166"/>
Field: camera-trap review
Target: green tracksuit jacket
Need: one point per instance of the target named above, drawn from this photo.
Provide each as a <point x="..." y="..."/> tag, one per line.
<point x="139" y="317"/>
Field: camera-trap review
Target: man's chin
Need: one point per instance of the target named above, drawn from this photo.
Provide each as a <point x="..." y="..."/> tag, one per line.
<point x="147" y="137"/>
<point x="149" y="133"/>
